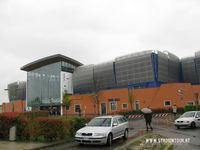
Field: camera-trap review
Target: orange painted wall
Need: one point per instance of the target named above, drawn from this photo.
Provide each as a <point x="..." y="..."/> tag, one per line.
<point x="152" y="97"/>
<point x="16" y="106"/>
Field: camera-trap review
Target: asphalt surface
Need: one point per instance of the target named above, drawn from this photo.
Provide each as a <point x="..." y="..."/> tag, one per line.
<point x="138" y="126"/>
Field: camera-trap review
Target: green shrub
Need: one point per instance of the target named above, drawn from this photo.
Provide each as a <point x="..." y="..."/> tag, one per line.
<point x="127" y="113"/>
<point x="43" y="129"/>
<point x="191" y="108"/>
<point x="22" y="129"/>
<point x="33" y="114"/>
<point x="48" y="128"/>
<point x="7" y="120"/>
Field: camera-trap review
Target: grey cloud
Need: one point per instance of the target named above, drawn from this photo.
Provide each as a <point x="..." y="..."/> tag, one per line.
<point x="92" y="31"/>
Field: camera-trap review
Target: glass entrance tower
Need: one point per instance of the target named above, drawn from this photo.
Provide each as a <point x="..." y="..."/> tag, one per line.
<point x="47" y="80"/>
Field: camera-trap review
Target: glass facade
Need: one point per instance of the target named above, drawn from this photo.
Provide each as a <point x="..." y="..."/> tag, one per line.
<point x="43" y="85"/>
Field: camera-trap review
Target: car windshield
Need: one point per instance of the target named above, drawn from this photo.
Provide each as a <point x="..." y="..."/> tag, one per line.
<point x="104" y="122"/>
<point x="188" y="114"/>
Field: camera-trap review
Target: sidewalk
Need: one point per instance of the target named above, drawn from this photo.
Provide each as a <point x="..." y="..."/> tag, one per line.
<point x="166" y="121"/>
<point x="7" y="145"/>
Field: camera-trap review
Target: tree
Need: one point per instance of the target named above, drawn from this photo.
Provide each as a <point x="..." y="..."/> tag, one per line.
<point x="130" y="98"/>
<point x="95" y="101"/>
<point x="66" y="100"/>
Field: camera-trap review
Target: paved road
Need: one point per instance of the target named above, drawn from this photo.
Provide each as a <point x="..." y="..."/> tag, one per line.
<point x="192" y="134"/>
<point x="134" y="131"/>
<point x="139" y="125"/>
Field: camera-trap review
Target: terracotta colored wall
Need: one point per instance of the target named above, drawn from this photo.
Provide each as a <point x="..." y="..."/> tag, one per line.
<point x="0" y="108"/>
<point x="86" y="102"/>
<point x="152" y="97"/>
<point x="16" y="106"/>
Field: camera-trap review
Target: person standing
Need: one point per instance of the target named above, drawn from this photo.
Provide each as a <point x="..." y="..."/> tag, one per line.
<point x="148" y="119"/>
<point x="174" y="110"/>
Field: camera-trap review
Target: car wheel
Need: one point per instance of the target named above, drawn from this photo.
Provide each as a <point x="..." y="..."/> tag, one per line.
<point x="193" y="125"/>
<point x="125" y="137"/>
<point x="109" y="139"/>
<point x="177" y="127"/>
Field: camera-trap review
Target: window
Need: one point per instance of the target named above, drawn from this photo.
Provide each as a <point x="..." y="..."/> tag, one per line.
<point x="67" y="108"/>
<point x="167" y="103"/>
<point x="198" y="114"/>
<point x="124" y="106"/>
<point x="115" y="121"/>
<point x="120" y="120"/>
<point x="190" y="103"/>
<point x="77" y="108"/>
<point x="113" y="106"/>
<point x="137" y="105"/>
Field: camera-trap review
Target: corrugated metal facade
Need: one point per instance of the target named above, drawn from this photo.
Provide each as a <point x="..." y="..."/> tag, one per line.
<point x="134" y="68"/>
<point x="197" y="63"/>
<point x="189" y="70"/>
<point x="83" y="79"/>
<point x="138" y="70"/>
<point x="104" y="76"/>
<point x="168" y="67"/>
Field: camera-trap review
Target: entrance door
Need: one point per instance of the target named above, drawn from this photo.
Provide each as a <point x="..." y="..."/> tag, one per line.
<point x="103" y="108"/>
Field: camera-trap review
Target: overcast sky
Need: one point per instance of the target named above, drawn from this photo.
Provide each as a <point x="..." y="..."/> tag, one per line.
<point x="92" y="31"/>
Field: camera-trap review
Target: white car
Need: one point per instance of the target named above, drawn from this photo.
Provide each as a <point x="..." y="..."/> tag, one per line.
<point x="102" y="130"/>
<point x="188" y="119"/>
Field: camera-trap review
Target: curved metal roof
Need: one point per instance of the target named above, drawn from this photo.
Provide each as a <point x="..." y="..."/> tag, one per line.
<point x="49" y="60"/>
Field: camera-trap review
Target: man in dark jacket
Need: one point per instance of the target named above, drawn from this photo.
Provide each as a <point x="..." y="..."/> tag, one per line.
<point x="148" y="118"/>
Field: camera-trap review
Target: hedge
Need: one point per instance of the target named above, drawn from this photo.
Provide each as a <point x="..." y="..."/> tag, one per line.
<point x="43" y="129"/>
<point x="48" y="128"/>
<point x="33" y="114"/>
<point x="191" y="108"/>
<point x="7" y="120"/>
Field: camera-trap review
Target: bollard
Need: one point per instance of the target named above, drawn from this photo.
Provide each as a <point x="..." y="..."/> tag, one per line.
<point x="12" y="133"/>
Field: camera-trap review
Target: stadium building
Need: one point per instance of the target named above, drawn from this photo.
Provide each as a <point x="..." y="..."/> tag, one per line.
<point x="138" y="70"/>
<point x="147" y="76"/>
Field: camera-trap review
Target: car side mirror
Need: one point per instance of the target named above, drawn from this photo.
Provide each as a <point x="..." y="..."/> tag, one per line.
<point x="115" y="124"/>
<point x="197" y="116"/>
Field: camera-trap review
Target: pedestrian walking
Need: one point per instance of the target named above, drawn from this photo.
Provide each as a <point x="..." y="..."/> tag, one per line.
<point x="148" y="118"/>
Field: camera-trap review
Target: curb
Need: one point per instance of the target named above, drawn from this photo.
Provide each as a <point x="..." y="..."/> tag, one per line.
<point x="70" y="144"/>
<point x="133" y="139"/>
<point x="169" y="147"/>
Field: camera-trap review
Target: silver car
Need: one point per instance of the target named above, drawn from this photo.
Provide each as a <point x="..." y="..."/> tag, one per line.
<point x="103" y="130"/>
<point x="188" y="119"/>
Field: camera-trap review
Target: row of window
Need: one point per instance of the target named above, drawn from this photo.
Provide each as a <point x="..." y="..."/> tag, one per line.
<point x="113" y="105"/>
<point x="168" y="103"/>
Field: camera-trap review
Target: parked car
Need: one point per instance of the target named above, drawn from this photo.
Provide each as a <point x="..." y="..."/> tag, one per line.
<point x="188" y="119"/>
<point x="103" y="130"/>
